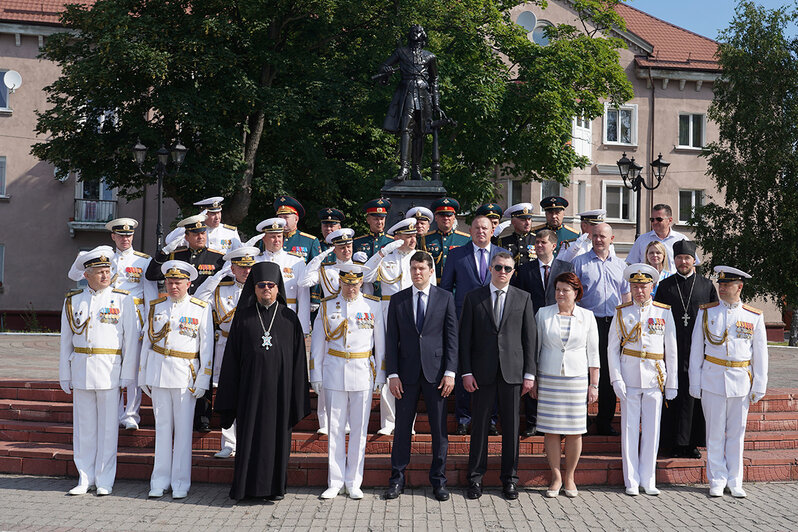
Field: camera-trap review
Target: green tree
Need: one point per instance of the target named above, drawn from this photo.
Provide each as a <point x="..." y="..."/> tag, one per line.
<point x="275" y="97"/>
<point x="754" y="163"/>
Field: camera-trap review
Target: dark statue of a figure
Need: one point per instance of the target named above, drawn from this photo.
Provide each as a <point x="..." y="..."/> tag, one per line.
<point x="415" y="109"/>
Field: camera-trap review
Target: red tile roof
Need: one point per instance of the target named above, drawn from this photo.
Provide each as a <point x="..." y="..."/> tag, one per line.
<point x="674" y="47"/>
<point x="44" y="12"/>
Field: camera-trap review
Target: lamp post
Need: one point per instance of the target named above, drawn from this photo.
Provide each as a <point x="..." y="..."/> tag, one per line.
<point x="630" y="173"/>
<point x="178" y="153"/>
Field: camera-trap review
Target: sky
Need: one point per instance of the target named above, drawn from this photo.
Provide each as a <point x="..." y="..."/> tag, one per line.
<point x="705" y="17"/>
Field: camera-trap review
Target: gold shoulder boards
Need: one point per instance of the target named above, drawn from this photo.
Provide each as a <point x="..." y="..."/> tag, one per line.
<point x="428" y="233"/>
<point x="308" y="235"/>
<point x="120" y="291"/>
<point x="538" y="227"/>
<point x="372" y="297"/>
<point x="749" y="308"/>
<point x="74" y="292"/>
<point x="624" y="305"/>
<point x="328" y="298"/>
<point x="181" y="248"/>
<point x="710" y="305"/>
<point x="199" y="302"/>
<point x="140" y="254"/>
<point x="389" y="236"/>
<point x="296" y="254"/>
<point x="462" y="233"/>
<point x="661" y="305"/>
<point x="359" y="237"/>
<point x="230" y="227"/>
<point x="156" y="301"/>
<point x="216" y="251"/>
<point x="226" y="283"/>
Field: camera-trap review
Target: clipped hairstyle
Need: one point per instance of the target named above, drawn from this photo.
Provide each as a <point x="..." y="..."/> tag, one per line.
<point x="423" y="256"/>
<point x="663" y="207"/>
<point x="571" y="280"/>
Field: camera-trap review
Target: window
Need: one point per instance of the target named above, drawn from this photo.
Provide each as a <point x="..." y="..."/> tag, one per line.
<point x="550" y="188"/>
<point x="582" y="137"/>
<point x="581" y="192"/>
<point x="3" y="92"/>
<point x="691" y="131"/>
<point x="618" y="201"/>
<point x="2" y="176"/>
<point x="620" y="124"/>
<point x="94" y="201"/>
<point x="688" y="201"/>
<point x="513" y="194"/>
<point x="535" y="29"/>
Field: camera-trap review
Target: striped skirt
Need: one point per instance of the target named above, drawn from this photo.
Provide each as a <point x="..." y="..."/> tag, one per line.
<point x="562" y="404"/>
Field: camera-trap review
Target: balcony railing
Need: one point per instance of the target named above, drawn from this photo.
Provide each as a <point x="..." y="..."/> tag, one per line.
<point x="90" y="210"/>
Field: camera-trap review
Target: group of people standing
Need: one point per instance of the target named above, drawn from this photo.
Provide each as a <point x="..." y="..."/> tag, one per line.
<point x="545" y="316"/>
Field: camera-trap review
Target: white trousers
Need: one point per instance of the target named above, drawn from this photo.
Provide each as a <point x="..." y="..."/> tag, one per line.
<point x="387" y="409"/>
<point x="174" y="417"/>
<point x="229" y="437"/>
<point x="345" y="467"/>
<point x="129" y="404"/>
<point x="640" y="416"/>
<point x="95" y="434"/>
<point x="725" y="418"/>
<point x="321" y="410"/>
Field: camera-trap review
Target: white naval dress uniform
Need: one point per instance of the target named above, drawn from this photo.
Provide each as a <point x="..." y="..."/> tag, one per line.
<point x="127" y="269"/>
<point x="646" y="363"/>
<point x="224" y="238"/>
<point x="292" y="267"/>
<point x="393" y="273"/>
<point x="570" y="250"/>
<point x="344" y="335"/>
<point x="98" y="330"/>
<point x="730" y="359"/>
<point x="176" y="358"/>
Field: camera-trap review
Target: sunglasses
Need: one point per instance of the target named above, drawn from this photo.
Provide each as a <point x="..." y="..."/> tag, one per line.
<point x="266" y="284"/>
<point x="657" y="219"/>
<point x="500" y="267"/>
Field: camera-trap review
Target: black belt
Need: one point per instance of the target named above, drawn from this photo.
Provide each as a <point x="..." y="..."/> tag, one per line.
<point x="605" y="319"/>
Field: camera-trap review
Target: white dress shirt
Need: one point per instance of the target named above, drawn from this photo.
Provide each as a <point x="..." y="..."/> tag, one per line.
<point x="478" y="257"/>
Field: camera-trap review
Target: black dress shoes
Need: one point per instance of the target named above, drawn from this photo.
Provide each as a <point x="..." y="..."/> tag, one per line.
<point x="510" y="492"/>
<point x="394" y="490"/>
<point x="474" y="490"/>
<point x="275" y="497"/>
<point x="462" y="429"/>
<point x="493" y="431"/>
<point x="692" y="452"/>
<point x="607" y="430"/>
<point x="531" y="430"/>
<point x="442" y="494"/>
<point x="203" y="427"/>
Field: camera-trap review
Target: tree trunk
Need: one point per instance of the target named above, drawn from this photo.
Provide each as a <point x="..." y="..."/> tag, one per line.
<point x="794" y="327"/>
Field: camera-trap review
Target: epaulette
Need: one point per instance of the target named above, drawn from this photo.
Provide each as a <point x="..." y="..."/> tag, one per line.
<point x="462" y="233"/>
<point x="140" y="254"/>
<point x="199" y="302"/>
<point x="328" y="298"/>
<point x="749" y="308"/>
<point x="390" y="237"/>
<point x="359" y="237"/>
<point x="156" y="301"/>
<point x="537" y="228"/>
<point x="710" y="305"/>
<point x="226" y="283"/>
<point x="308" y="235"/>
<point x="428" y="233"/>
<point x="181" y="248"/>
<point x="120" y="291"/>
<point x="216" y="251"/>
<point x="73" y="292"/>
<point x="296" y="254"/>
<point x="230" y="227"/>
<point x="661" y="305"/>
<point x="624" y="305"/>
<point x="372" y="297"/>
<point x="571" y="229"/>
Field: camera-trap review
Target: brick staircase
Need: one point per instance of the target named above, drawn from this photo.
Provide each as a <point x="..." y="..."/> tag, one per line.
<point x="36" y="439"/>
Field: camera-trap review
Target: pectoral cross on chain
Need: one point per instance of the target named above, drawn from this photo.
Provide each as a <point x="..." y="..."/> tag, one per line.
<point x="267" y="340"/>
<point x="686" y="318"/>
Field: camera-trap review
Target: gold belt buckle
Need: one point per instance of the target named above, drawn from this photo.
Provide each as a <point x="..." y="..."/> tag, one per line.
<point x="348" y="355"/>
<point x="728" y="363"/>
<point x="642" y="354"/>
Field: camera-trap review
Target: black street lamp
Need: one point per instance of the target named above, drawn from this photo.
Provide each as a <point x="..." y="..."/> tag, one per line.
<point x="178" y="156"/>
<point x="630" y="173"/>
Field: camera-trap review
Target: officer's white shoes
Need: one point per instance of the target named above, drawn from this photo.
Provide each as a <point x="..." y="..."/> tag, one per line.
<point x="651" y="491"/>
<point x="355" y="493"/>
<point x="103" y="491"/>
<point x="738" y="492"/>
<point x="385" y="431"/>
<point x="155" y="493"/>
<point x="633" y="492"/>
<point x="179" y="494"/>
<point x="331" y="493"/>
<point x="130" y="424"/>
<point x="226" y="452"/>
<point x="80" y="489"/>
<point x="716" y="491"/>
<point x="322" y="431"/>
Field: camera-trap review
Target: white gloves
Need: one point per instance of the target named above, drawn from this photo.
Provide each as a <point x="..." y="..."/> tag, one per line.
<point x="199" y="392"/>
<point x="66" y="386"/>
<point x="318" y="259"/>
<point x="359" y="256"/>
<point x="620" y="389"/>
<point x="695" y="391"/>
<point x="393" y="246"/>
<point x="500" y="228"/>
<point x="146" y="389"/>
<point x="316" y="386"/>
<point x="226" y="270"/>
<point x="254" y="240"/>
<point x="378" y="387"/>
<point x="173" y="245"/>
<point x="125" y="383"/>
<point x="670" y="394"/>
<point x="756" y="396"/>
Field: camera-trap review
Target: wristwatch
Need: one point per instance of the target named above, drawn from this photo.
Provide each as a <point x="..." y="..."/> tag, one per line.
<point x="594" y="386"/>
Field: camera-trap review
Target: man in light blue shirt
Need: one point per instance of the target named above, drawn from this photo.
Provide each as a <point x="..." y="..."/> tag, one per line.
<point x="661" y="231"/>
<point x="605" y="287"/>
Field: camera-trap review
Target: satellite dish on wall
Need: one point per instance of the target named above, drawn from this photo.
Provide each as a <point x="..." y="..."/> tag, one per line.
<point x="12" y="80"/>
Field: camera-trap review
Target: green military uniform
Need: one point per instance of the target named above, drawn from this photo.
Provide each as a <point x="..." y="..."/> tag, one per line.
<point x="302" y="244"/>
<point x="371" y="242"/>
<point x="438" y="244"/>
<point x="565" y="234"/>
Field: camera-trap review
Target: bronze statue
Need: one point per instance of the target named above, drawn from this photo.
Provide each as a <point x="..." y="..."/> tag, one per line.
<point x="415" y="104"/>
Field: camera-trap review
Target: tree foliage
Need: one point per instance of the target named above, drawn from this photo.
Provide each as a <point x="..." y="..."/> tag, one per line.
<point x="754" y="163"/>
<point x="275" y="97"/>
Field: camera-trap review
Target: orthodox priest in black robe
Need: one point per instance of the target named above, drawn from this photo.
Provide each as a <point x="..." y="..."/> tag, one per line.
<point x="263" y="384"/>
<point x="682" y="426"/>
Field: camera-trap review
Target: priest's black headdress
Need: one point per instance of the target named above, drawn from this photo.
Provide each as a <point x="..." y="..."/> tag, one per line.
<point x="262" y="271"/>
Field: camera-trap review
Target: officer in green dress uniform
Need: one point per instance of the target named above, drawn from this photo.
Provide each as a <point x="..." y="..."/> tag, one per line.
<point x="554" y="206"/>
<point x="423" y="217"/>
<point x="492" y="210"/>
<point x="521" y="243"/>
<point x="330" y="220"/>
<point x="438" y="243"/>
<point x="372" y="242"/>
<point x="294" y="240"/>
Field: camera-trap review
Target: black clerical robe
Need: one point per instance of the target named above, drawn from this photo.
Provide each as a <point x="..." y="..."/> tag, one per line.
<point x="683" y="421"/>
<point x="267" y="392"/>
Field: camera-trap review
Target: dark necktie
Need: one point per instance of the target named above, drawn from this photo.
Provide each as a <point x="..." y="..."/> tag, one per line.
<point x="420" y="312"/>
<point x="497" y="307"/>
<point x="483" y="266"/>
<point x="546" y="275"/>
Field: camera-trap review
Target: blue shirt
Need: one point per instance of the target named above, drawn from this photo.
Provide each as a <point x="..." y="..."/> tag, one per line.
<point x="603" y="283"/>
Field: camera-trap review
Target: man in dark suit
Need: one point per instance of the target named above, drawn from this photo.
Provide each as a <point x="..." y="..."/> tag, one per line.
<point x="420" y="358"/>
<point x="497" y="360"/>
<point x="537" y="277"/>
<point x="466" y="269"/>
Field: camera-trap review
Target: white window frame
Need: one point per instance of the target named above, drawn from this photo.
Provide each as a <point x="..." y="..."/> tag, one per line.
<point x="511" y="199"/>
<point x="693" y="196"/>
<point x="544" y="195"/>
<point x="7" y="108"/>
<point x="690" y="132"/>
<point x="632" y="201"/>
<point x="633" y="133"/>
<point x="577" y="129"/>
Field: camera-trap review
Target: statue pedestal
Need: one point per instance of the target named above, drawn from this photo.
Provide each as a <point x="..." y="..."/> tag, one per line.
<point x="405" y="195"/>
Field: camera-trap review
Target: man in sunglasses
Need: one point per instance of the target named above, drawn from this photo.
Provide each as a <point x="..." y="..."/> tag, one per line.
<point x="661" y="231"/>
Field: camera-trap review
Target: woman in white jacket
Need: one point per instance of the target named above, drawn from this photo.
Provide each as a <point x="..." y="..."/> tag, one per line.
<point x="567" y="358"/>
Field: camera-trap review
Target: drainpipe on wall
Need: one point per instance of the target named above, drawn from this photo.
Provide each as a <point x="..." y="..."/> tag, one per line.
<point x="650" y="157"/>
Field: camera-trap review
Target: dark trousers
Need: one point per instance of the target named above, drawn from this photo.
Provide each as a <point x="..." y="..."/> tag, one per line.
<point x="406" y="408"/>
<point x="203" y="409"/>
<point x="530" y="410"/>
<point x="509" y="398"/>
<point x="606" y="398"/>
<point x="462" y="405"/>
<point x="683" y="420"/>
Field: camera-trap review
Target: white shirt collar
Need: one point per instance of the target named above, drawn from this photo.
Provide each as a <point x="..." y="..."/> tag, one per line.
<point x="425" y="291"/>
<point x="731" y="305"/>
<point x="494" y="289"/>
<point x="686" y="276"/>
<point x="477" y="248"/>
<point x="546" y="263"/>
<point x="125" y="253"/>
